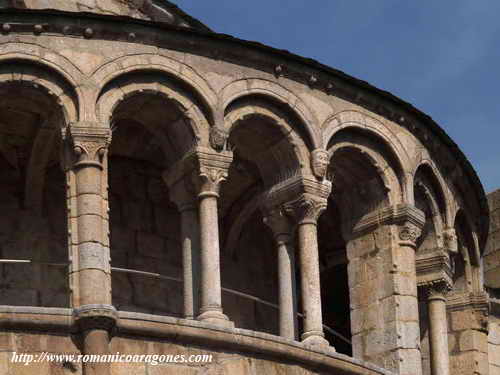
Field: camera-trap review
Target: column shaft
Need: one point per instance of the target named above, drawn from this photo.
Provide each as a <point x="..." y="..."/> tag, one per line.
<point x="190" y="260"/>
<point x="438" y="335"/>
<point x="210" y="292"/>
<point x="310" y="284"/>
<point x="287" y="293"/>
<point x="92" y="254"/>
<point x="95" y="342"/>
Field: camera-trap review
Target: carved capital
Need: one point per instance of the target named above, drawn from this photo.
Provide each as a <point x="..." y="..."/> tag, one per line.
<point x="437" y="290"/>
<point x="450" y="240"/>
<point x="218" y="138"/>
<point x="409" y="233"/>
<point x="87" y="145"/>
<point x="288" y="190"/>
<point x="306" y="209"/>
<point x="320" y="160"/>
<point x="279" y="223"/>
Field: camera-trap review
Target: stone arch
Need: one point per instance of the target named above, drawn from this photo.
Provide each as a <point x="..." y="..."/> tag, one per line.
<point x="288" y="156"/>
<point x="439" y="186"/>
<point x="385" y="171"/>
<point x="374" y="127"/>
<point x="26" y="73"/>
<point x="36" y="75"/>
<point x="53" y="65"/>
<point x="469" y="252"/>
<point x="190" y="129"/>
<point x="278" y="94"/>
<point x="381" y="155"/>
<point x="38" y="103"/>
<point x="171" y="69"/>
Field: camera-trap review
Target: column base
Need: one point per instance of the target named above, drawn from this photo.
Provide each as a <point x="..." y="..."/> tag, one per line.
<point x="216" y="318"/>
<point x="315" y="339"/>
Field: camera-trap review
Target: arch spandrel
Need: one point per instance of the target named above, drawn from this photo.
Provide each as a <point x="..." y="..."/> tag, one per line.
<point x="277" y="93"/>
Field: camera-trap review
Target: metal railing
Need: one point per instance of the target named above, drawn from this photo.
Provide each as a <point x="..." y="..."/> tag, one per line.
<point x="230" y="291"/>
<point x="175" y="279"/>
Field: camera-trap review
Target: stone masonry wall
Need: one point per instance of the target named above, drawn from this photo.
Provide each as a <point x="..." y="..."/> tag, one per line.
<point x="494" y="345"/>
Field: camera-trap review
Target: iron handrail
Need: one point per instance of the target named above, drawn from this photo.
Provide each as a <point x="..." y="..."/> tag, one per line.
<point x="170" y="278"/>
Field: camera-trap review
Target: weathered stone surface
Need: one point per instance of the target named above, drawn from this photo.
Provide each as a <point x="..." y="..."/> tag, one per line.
<point x="135" y="102"/>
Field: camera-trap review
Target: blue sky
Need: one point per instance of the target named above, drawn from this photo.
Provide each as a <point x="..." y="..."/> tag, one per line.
<point x="441" y="56"/>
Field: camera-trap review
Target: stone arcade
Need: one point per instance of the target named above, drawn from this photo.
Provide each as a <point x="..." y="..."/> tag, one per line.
<point x="165" y="189"/>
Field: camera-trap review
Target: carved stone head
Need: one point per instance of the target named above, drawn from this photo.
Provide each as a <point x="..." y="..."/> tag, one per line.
<point x="218" y="138"/>
<point x="319" y="162"/>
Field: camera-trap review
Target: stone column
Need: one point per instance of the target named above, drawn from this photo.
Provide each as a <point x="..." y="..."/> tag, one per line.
<point x="85" y="159"/>
<point x="210" y="170"/>
<point x="305" y="211"/>
<point x="438" y="328"/>
<point x="281" y="228"/>
<point x="182" y="194"/>
<point x="201" y="173"/>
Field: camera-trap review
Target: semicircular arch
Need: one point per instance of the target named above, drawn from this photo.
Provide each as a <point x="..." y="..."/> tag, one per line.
<point x="274" y="93"/>
<point x="172" y="69"/>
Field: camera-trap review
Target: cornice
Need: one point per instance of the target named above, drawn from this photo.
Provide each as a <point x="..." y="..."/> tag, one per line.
<point x="432" y="268"/>
<point x="397" y="214"/>
<point x="463" y="301"/>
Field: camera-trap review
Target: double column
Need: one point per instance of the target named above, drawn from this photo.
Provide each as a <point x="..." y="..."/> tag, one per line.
<point x="203" y="170"/>
<point x="85" y="159"/>
<point x="302" y="200"/>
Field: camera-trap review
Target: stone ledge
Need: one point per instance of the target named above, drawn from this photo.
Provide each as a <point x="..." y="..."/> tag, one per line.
<point x="50" y="320"/>
<point x="242" y="340"/>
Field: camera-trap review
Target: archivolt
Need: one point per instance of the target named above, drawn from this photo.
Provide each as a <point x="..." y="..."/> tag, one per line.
<point x="39" y="76"/>
<point x="439" y="185"/>
<point x="378" y="162"/>
<point x="168" y="67"/>
<point x="370" y="125"/>
<point x="292" y="141"/>
<point x="275" y="93"/>
<point x="139" y="83"/>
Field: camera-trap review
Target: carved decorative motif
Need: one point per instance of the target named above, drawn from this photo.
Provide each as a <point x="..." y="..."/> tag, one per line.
<point x="88" y="145"/>
<point x="210" y="179"/>
<point x="218" y="139"/>
<point x="409" y="232"/>
<point x="450" y="240"/>
<point x="306" y="209"/>
<point x="320" y="160"/>
<point x="437" y="289"/>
